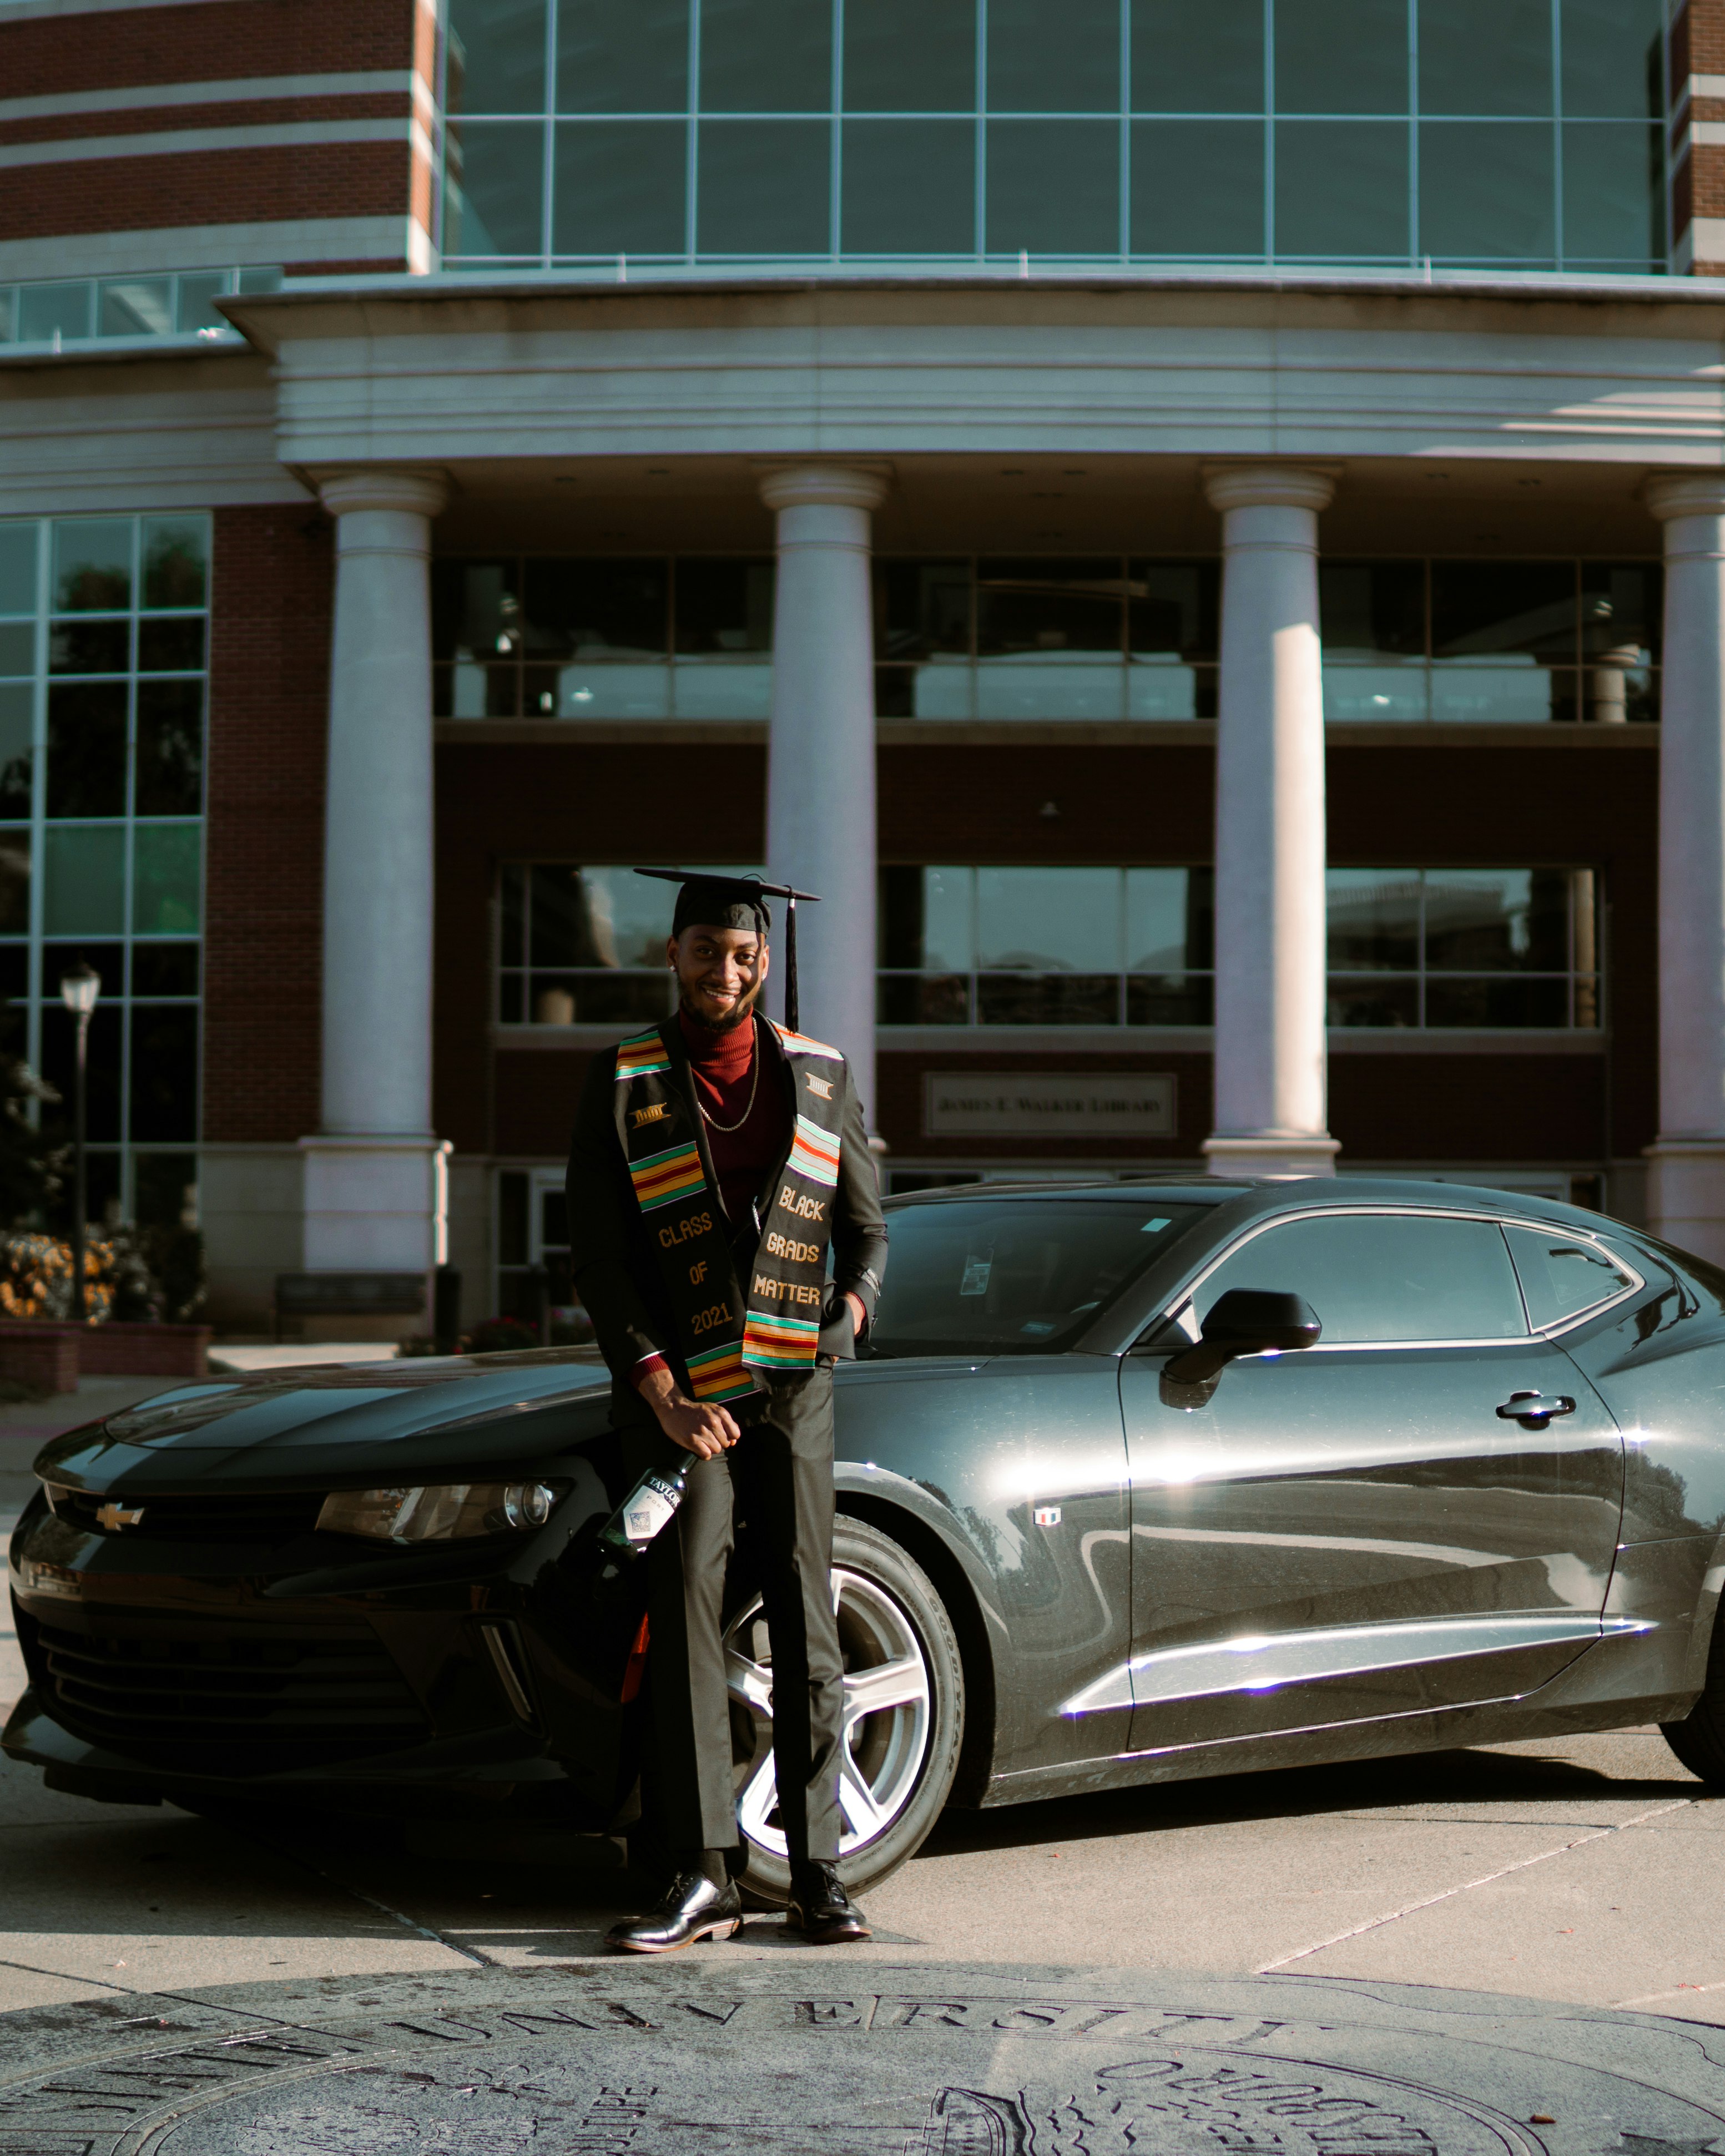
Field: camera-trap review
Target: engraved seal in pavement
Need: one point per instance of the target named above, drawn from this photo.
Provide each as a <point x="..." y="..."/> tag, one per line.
<point x="923" y="2061"/>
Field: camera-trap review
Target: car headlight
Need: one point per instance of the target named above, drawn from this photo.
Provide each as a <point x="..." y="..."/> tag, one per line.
<point x="438" y="1511"/>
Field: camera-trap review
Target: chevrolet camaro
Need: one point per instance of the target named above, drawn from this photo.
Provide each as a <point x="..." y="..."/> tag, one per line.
<point x="1136" y="1481"/>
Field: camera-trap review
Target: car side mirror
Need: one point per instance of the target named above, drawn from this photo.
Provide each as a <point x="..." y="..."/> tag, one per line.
<point x="1246" y="1321"/>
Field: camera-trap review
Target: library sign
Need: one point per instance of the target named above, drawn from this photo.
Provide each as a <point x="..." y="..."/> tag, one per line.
<point x="1071" y="1104"/>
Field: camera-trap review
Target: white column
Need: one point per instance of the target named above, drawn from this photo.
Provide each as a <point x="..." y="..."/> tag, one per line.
<point x="820" y="773"/>
<point x="1270" y="1105"/>
<point x="1686" y="1180"/>
<point x="375" y="1175"/>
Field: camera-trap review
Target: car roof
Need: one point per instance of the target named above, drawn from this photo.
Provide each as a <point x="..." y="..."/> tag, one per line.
<point x="1254" y="1195"/>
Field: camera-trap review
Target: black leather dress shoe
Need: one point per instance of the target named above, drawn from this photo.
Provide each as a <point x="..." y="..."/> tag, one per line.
<point x="693" y="1908"/>
<point x="821" y="1910"/>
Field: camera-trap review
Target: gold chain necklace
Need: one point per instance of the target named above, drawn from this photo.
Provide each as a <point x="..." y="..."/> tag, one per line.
<point x="730" y="1130"/>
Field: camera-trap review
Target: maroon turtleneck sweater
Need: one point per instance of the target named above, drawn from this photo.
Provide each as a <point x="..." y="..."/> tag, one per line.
<point x="722" y="1066"/>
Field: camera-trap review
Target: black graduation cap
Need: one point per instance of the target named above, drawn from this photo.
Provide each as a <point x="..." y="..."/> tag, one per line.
<point x="724" y="901"/>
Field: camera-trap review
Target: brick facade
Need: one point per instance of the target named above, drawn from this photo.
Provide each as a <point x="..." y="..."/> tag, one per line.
<point x="220" y="41"/>
<point x="272" y="595"/>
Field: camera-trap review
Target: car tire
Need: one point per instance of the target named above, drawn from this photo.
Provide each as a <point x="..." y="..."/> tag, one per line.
<point x="1699" y="1739"/>
<point x="899" y="1757"/>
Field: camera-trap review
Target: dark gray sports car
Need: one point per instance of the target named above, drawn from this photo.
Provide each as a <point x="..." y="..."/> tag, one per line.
<point x="1140" y="1482"/>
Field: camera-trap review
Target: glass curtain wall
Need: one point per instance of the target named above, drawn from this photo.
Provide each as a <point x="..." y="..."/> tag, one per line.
<point x="1481" y="134"/>
<point x="104" y="636"/>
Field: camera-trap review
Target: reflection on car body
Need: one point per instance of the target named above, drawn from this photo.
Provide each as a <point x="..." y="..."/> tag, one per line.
<point x="1105" y="1519"/>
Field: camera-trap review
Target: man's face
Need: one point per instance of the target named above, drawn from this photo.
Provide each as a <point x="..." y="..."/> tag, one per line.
<point x="721" y="972"/>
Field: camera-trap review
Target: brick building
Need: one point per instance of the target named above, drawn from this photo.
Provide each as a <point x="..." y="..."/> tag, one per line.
<point x="1198" y="527"/>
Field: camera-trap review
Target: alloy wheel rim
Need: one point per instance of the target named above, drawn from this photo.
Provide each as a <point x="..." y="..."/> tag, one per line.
<point x="888" y="1708"/>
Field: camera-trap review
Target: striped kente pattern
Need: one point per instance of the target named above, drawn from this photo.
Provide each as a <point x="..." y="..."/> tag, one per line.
<point x="664" y="1177"/>
<point x="637" y="1057"/>
<point x="719" y="1374"/>
<point x="815" y="1153"/>
<point x="799" y="1043"/>
<point x="780" y="1343"/>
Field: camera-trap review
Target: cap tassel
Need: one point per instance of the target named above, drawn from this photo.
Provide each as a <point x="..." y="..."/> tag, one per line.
<point x="791" y="1014"/>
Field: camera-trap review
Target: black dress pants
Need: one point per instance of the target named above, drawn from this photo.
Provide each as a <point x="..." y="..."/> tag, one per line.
<point x="778" y="1479"/>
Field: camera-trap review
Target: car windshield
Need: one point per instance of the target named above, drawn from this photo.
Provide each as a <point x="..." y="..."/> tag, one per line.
<point x="1013" y="1276"/>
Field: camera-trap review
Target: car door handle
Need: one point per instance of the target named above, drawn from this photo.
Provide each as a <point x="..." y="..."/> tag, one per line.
<point x="1534" y="1410"/>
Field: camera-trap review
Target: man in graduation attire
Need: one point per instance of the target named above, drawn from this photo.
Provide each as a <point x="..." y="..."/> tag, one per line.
<point x="715" y="1161"/>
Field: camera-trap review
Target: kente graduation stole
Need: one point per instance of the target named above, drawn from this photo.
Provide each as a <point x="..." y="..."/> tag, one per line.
<point x="725" y="1336"/>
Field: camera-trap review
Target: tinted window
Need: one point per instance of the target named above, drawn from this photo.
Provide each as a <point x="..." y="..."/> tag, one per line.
<point x="1005" y="1277"/>
<point x="1383" y="1277"/>
<point x="1562" y="1275"/>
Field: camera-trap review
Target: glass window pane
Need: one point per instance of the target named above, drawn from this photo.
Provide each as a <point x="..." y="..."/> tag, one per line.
<point x="1048" y="60"/>
<point x="1342" y="56"/>
<point x="1373" y="917"/>
<point x="723" y="606"/>
<point x="1620" y="611"/>
<point x="1198" y="186"/>
<point x="926" y="919"/>
<point x="1057" y="607"/>
<point x="766" y="55"/>
<point x="17" y="646"/>
<point x="597" y="609"/>
<point x="1486" y="191"/>
<point x="171" y="646"/>
<point x="17" y="568"/>
<point x="46" y="311"/>
<point x="1028" y="686"/>
<point x="765" y="186"/>
<point x="16" y="755"/>
<point x="1481" y="608"/>
<point x="1383" y="1277"/>
<point x="1372" y="612"/>
<point x="175" y="561"/>
<point x="1382" y="999"/>
<point x="167" y="878"/>
<point x="496" y="56"/>
<point x="1451" y="999"/>
<point x="1613" y="194"/>
<point x="476" y="610"/>
<point x="909" y="55"/>
<point x="922" y="608"/>
<point x="1561" y="1275"/>
<point x="1479" y="56"/>
<point x="92" y="565"/>
<point x="192" y="309"/>
<point x="1479" y="921"/>
<point x="164" y="969"/>
<point x="164" y="1073"/>
<point x="57" y="1054"/>
<point x="598" y="689"/>
<point x="83" y="646"/>
<point x="1054" y="186"/>
<point x="14" y="883"/>
<point x="1341" y="189"/>
<point x="622" y="55"/>
<point x="1612" y="58"/>
<point x="909" y="187"/>
<point x="137" y="306"/>
<point x="1168" y="922"/>
<point x="620" y="187"/>
<point x="8" y="300"/>
<point x="86" y="749"/>
<point x="1511" y="692"/>
<point x="166" y="1190"/>
<point x="627" y="918"/>
<point x="1048" y="921"/>
<point x="170" y="749"/>
<point x="1198" y="59"/>
<point x="495" y="193"/>
<point x="1173" y="607"/>
<point x="84" y="882"/>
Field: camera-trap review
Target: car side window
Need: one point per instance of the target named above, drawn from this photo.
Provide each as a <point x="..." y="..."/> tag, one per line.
<point x="1563" y="1276"/>
<point x="1375" y="1276"/>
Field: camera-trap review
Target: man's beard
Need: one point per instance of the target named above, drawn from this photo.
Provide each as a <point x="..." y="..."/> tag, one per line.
<point x="743" y="1008"/>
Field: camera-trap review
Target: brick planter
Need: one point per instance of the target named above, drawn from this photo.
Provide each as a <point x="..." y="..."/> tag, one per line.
<point x="43" y="1356"/>
<point x="143" y="1351"/>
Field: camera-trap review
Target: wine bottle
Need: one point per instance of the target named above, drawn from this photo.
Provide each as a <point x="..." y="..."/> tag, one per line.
<point x="649" y="1507"/>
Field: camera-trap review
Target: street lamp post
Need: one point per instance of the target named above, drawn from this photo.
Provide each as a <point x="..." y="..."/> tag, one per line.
<point x="80" y="987"/>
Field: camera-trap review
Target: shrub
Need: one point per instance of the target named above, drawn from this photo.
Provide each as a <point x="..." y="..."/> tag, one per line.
<point x="499" y="1336"/>
<point x="119" y="1281"/>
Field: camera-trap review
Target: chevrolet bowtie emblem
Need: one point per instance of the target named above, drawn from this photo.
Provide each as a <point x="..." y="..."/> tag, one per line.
<point x="112" y="1517"/>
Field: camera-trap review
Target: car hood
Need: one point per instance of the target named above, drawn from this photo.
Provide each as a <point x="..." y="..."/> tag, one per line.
<point x="286" y="1427"/>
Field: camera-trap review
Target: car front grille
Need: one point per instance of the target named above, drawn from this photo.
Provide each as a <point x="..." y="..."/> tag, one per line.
<point x="261" y="1517"/>
<point x="227" y="1701"/>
